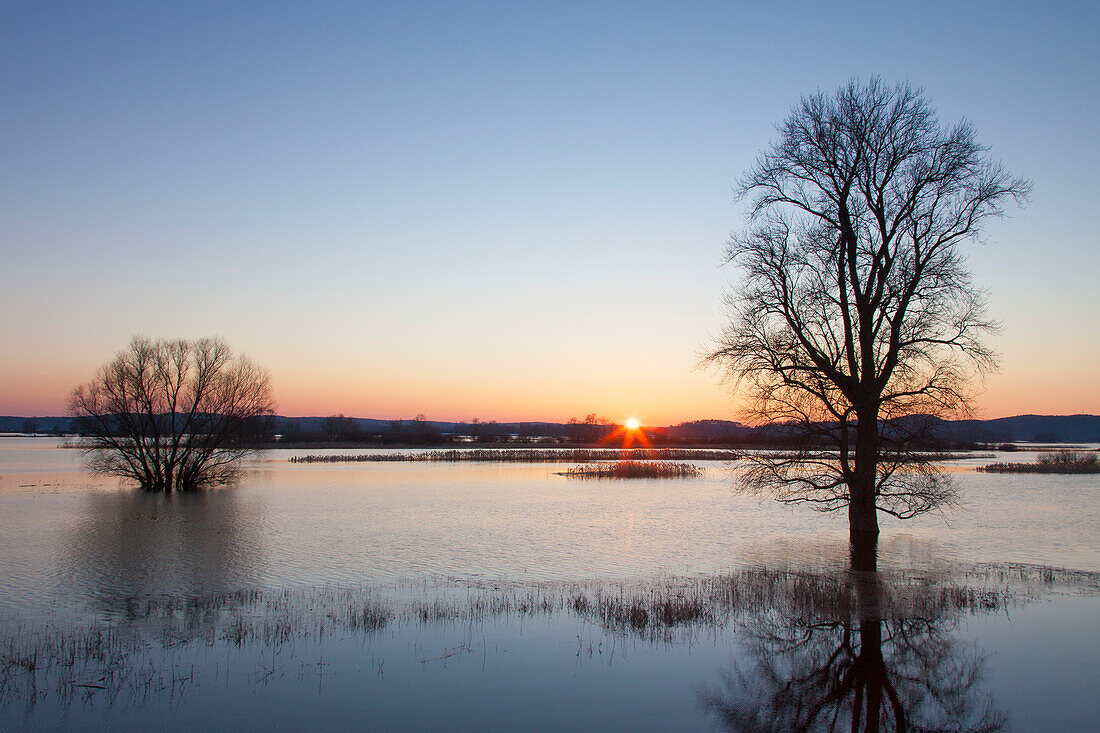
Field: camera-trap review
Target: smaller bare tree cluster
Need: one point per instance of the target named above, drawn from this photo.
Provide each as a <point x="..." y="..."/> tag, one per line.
<point x="339" y="426"/>
<point x="171" y="415"/>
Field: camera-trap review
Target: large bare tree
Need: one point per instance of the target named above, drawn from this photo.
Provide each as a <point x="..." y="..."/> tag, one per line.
<point x="171" y="415"/>
<point x="856" y="321"/>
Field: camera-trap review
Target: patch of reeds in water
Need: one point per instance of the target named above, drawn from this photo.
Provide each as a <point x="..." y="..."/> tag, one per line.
<point x="634" y="469"/>
<point x="528" y="455"/>
<point x="832" y="455"/>
<point x="1063" y="461"/>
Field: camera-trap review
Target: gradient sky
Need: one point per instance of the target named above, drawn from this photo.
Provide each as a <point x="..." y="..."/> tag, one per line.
<point x="502" y="210"/>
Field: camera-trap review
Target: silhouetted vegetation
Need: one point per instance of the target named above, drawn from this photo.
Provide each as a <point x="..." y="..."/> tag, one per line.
<point x="172" y="415"/>
<point x="634" y="469"/>
<point x="134" y="653"/>
<point x="1063" y="461"/>
<point x="857" y="323"/>
<point x="339" y="427"/>
<point x="311" y="431"/>
<point x="528" y="455"/>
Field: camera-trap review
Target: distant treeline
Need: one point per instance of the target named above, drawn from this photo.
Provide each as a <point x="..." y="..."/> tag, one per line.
<point x="337" y="430"/>
<point x="591" y="431"/>
<point x="36" y="425"/>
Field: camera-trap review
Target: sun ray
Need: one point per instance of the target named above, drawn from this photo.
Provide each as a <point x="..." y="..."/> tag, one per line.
<point x="627" y="434"/>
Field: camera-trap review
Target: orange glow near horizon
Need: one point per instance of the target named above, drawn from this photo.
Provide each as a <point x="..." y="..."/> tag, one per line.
<point x="627" y="434"/>
<point x="36" y="388"/>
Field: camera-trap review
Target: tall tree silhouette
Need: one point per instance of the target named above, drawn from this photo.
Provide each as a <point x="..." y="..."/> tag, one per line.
<point x="856" y="320"/>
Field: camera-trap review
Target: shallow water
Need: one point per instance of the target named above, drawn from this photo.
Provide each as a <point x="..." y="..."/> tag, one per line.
<point x="68" y="537"/>
<point x="77" y="552"/>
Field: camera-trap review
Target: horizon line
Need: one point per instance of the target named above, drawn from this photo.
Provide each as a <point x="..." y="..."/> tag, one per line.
<point x="468" y="421"/>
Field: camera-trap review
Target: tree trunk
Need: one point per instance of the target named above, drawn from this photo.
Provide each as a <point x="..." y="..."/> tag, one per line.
<point x="862" y="514"/>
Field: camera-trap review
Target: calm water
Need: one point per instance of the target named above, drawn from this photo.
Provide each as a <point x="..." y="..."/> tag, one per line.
<point x="77" y="552"/>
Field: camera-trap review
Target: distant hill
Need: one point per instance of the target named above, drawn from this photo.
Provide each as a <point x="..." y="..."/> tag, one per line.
<point x="1021" y="428"/>
<point x="1034" y="428"/>
<point x="9" y="424"/>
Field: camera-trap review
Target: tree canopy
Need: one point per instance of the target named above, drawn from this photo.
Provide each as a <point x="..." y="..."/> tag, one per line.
<point x="171" y="415"/>
<point x="856" y="321"/>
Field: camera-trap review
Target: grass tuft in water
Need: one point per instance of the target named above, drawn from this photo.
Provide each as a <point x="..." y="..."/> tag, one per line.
<point x="140" y="653"/>
<point x="635" y="469"/>
<point x="1062" y="461"/>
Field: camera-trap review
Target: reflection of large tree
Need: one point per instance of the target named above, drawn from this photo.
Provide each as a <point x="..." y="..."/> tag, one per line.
<point x="130" y="544"/>
<point x="854" y="654"/>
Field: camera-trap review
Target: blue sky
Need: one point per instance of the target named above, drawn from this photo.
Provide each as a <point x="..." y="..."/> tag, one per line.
<point x="496" y="209"/>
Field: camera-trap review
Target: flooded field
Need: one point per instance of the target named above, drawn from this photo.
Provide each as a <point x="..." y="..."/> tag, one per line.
<point x="489" y="596"/>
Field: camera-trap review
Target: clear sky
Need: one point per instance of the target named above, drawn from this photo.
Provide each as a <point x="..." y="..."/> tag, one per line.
<point x="502" y="210"/>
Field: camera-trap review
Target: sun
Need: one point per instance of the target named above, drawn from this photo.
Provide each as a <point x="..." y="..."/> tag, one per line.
<point x="632" y="423"/>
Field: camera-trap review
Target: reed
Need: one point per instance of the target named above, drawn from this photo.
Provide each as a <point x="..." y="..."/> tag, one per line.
<point x="634" y="469"/>
<point x="1062" y="461"/>
<point x="528" y="455"/>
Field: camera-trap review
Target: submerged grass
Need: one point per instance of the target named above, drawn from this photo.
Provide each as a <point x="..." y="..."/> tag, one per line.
<point x="634" y="469"/>
<point x="1062" y="461"/>
<point x="144" y="651"/>
<point x="528" y="455"/>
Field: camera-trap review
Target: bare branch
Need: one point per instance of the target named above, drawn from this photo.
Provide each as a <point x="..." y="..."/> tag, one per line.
<point x="855" y="313"/>
<point x="171" y="414"/>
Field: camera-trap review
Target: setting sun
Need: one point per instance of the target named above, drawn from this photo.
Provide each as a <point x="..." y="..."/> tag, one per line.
<point x="632" y="423"/>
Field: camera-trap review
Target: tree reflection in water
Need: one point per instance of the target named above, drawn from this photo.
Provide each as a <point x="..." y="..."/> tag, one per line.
<point x="857" y="652"/>
<point x="130" y="544"/>
<point x="823" y="650"/>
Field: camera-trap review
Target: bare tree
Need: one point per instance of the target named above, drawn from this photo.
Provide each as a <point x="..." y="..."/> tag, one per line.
<point x="856" y="320"/>
<point x="339" y="426"/>
<point x="171" y="414"/>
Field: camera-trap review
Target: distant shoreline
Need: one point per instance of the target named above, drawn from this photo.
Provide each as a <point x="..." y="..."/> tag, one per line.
<point x="339" y="431"/>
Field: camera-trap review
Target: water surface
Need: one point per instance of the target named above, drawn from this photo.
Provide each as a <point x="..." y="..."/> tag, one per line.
<point x="292" y="548"/>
